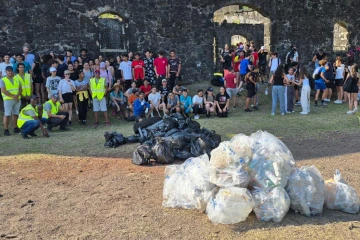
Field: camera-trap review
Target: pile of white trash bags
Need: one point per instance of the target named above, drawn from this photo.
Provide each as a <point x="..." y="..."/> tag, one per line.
<point x="253" y="173"/>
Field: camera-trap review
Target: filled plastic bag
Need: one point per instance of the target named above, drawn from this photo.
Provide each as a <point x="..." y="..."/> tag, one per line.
<point x="241" y="146"/>
<point x="187" y="185"/>
<point x="163" y="152"/>
<point x="269" y="171"/>
<point x="306" y="191"/>
<point x="232" y="176"/>
<point x="220" y="156"/>
<point x="340" y="196"/>
<point x="230" y="205"/>
<point x="270" y="203"/>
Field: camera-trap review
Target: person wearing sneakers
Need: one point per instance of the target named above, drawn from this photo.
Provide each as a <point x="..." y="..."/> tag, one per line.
<point x="155" y="101"/>
<point x="26" y="84"/>
<point x="290" y="91"/>
<point x="82" y="97"/>
<point x="55" y="117"/>
<point x="29" y="121"/>
<point x="305" y="91"/>
<point x="185" y="103"/>
<point x="339" y="79"/>
<point x="230" y="84"/>
<point x="209" y="101"/>
<point x="52" y="82"/>
<point x="98" y="90"/>
<point x="198" y="103"/>
<point x="11" y="93"/>
<point x="320" y="81"/>
<point x="140" y="105"/>
<point x="117" y="99"/>
<point x="273" y="65"/>
<point x="351" y="87"/>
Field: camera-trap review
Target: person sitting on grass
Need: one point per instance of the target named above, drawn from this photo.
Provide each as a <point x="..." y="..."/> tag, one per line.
<point x="117" y="99"/>
<point x="251" y="80"/>
<point x="198" y="104"/>
<point x="130" y="90"/>
<point x="55" y="117"/>
<point x="140" y="105"/>
<point x="173" y="104"/>
<point x="209" y="101"/>
<point x="222" y="102"/>
<point x="154" y="100"/>
<point x="185" y="103"/>
<point x="178" y="89"/>
<point x="129" y="113"/>
<point x="146" y="89"/>
<point x="29" y="121"/>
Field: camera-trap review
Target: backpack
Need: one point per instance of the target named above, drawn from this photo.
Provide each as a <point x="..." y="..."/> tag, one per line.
<point x="317" y="73"/>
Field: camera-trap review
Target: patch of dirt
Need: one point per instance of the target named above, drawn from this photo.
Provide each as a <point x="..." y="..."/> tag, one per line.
<point x="52" y="197"/>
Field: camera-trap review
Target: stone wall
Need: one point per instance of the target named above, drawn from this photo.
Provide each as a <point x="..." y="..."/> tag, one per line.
<point x="186" y="26"/>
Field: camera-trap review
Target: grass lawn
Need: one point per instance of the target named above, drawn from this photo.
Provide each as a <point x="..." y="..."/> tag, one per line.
<point x="87" y="141"/>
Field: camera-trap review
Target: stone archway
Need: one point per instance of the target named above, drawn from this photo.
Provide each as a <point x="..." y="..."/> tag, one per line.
<point x="341" y="37"/>
<point x="235" y="39"/>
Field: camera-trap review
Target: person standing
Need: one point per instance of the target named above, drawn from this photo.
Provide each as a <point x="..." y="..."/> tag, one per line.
<point x="5" y="64"/>
<point x="20" y="59"/>
<point x="274" y="63"/>
<point x="330" y="76"/>
<point x="174" y="69"/>
<point x="26" y="84"/>
<point x="98" y="91"/>
<point x="11" y="93"/>
<point x="320" y="83"/>
<point x="88" y="73"/>
<point x="83" y="55"/>
<point x="66" y="88"/>
<point x="339" y="79"/>
<point x="290" y="91"/>
<point x="251" y="82"/>
<point x="263" y="52"/>
<point x="106" y="74"/>
<point x="29" y="121"/>
<point x="351" y="87"/>
<point x="149" y="67"/>
<point x="82" y="97"/>
<point x="230" y="84"/>
<point x="161" y="68"/>
<point x="28" y="57"/>
<point x="69" y="54"/>
<point x="126" y="73"/>
<point x="245" y="67"/>
<point x="278" y="80"/>
<point x="55" y="117"/>
<point x="318" y="57"/>
<point x="52" y="83"/>
<point x="227" y="62"/>
<point x="305" y="91"/>
<point x="138" y="70"/>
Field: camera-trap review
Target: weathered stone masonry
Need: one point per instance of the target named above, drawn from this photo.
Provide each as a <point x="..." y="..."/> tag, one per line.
<point x="185" y="25"/>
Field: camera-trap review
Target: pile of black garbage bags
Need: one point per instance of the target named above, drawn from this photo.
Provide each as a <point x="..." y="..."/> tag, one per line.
<point x="164" y="140"/>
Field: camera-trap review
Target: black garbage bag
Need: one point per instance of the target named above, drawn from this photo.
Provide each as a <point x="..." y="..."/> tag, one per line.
<point x="170" y="123"/>
<point x="182" y="154"/>
<point x="192" y="126"/>
<point x="114" y="140"/>
<point x="142" y="155"/>
<point x="171" y="132"/>
<point x="145" y="123"/>
<point x="177" y="116"/>
<point x="133" y="139"/>
<point x="197" y="147"/>
<point x="182" y="124"/>
<point x="213" y="139"/>
<point x="163" y="151"/>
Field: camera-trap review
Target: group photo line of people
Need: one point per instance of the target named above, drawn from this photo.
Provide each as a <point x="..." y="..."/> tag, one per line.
<point x="44" y="91"/>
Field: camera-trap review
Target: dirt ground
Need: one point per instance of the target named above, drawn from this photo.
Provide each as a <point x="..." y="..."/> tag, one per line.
<point x="53" y="197"/>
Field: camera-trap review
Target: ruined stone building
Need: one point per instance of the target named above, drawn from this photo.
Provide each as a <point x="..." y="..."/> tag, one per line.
<point x="192" y="27"/>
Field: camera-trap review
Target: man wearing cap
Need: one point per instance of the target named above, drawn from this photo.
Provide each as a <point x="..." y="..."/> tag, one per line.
<point x="55" y="117"/>
<point x="30" y="119"/>
<point x="26" y="84"/>
<point x="52" y="82"/>
<point x="98" y="91"/>
<point x="11" y="92"/>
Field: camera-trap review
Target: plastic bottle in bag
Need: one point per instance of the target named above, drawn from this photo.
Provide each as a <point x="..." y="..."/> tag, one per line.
<point x="340" y="196"/>
<point x="188" y="185"/>
<point x="230" y="205"/>
<point x="305" y="189"/>
<point x="270" y="203"/>
<point x="232" y="176"/>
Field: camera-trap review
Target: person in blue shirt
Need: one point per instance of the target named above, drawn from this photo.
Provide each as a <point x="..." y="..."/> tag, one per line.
<point x="29" y="57"/>
<point x="185" y="103"/>
<point x="69" y="53"/>
<point x="320" y="83"/>
<point x="140" y="105"/>
<point x="245" y="67"/>
<point x="117" y="99"/>
<point x="20" y="59"/>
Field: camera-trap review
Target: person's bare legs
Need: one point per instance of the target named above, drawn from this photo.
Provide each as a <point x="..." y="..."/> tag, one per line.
<point x="317" y="95"/>
<point x="6" y="122"/>
<point x="69" y="107"/>
<point x="339" y="93"/>
<point x="43" y="93"/>
<point x="14" y="119"/>
<point x="37" y="90"/>
<point x="354" y="96"/>
<point x="247" y="103"/>
<point x="75" y="103"/>
<point x="96" y="117"/>
<point x="350" y="102"/>
<point x="234" y="101"/>
<point x="106" y="117"/>
<point x="207" y="107"/>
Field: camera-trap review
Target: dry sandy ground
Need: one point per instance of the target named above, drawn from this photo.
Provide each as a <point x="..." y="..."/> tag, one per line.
<point x="52" y="197"/>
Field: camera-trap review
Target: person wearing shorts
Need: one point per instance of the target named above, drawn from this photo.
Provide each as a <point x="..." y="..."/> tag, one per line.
<point x="320" y="84"/>
<point x="230" y="84"/>
<point x="11" y="94"/>
<point x="98" y="90"/>
<point x="251" y="82"/>
<point x="66" y="88"/>
<point x="339" y="79"/>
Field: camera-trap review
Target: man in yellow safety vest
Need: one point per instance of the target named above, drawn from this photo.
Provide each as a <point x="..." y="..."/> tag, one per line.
<point x="30" y="119"/>
<point x="11" y="93"/>
<point x="26" y="84"/>
<point x="98" y="91"/>
<point x="55" y="117"/>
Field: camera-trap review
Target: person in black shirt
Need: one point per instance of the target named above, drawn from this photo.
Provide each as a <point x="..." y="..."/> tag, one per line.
<point x="262" y="63"/>
<point x="227" y="62"/>
<point x="83" y="55"/>
<point x="222" y="102"/>
<point x="164" y="91"/>
<point x="251" y="80"/>
<point x="174" y="69"/>
<point x="319" y="56"/>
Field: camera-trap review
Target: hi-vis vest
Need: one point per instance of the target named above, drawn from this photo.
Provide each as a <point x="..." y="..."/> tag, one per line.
<point x="11" y="88"/>
<point x="98" y="90"/>
<point x="24" y="118"/>
<point x="25" y="84"/>
<point x="44" y="113"/>
<point x="54" y="108"/>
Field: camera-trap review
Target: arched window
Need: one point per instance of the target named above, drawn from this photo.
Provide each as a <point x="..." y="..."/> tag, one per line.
<point x="112" y="33"/>
<point x="235" y="39"/>
<point x="341" y="37"/>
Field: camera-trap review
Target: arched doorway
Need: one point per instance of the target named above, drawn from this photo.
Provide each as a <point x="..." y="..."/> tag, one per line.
<point x="235" y="39"/>
<point x="341" y="37"/>
<point x="113" y="35"/>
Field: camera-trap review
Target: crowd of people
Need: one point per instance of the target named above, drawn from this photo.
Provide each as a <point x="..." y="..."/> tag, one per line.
<point x="41" y="92"/>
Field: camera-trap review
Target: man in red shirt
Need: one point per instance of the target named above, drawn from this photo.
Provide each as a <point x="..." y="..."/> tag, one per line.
<point x="161" y="68"/>
<point x="230" y="85"/>
<point x="146" y="88"/>
<point x="138" y="70"/>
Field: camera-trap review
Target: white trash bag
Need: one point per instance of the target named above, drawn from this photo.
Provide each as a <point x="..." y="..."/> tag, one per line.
<point x="241" y="148"/>
<point x="270" y="203"/>
<point x="220" y="157"/>
<point x="306" y="191"/>
<point x="230" y="205"/>
<point x="187" y="186"/>
<point x="232" y="176"/>
<point x="340" y="196"/>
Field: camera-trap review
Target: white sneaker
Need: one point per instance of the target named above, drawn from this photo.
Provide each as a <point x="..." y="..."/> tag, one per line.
<point x="152" y="114"/>
<point x="304" y="113"/>
<point x="196" y="117"/>
<point x="288" y="112"/>
<point x="272" y="114"/>
<point x="327" y="100"/>
<point x="349" y="112"/>
<point x="146" y="111"/>
<point x="241" y="89"/>
<point x="338" y="102"/>
<point x="266" y="92"/>
<point x="355" y="110"/>
<point x="77" y="112"/>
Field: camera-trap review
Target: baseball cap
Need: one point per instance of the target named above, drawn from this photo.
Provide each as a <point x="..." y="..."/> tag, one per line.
<point x="67" y="72"/>
<point x="263" y="47"/>
<point x="9" y="68"/>
<point x="164" y="80"/>
<point x="34" y="97"/>
<point x="102" y="64"/>
<point x="52" y="69"/>
<point x="54" y="96"/>
<point x="210" y="89"/>
<point x="97" y="71"/>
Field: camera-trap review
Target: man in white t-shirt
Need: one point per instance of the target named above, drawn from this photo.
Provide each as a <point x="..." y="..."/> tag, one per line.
<point x="4" y="64"/>
<point x="273" y="65"/>
<point x="154" y="99"/>
<point x="126" y="71"/>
